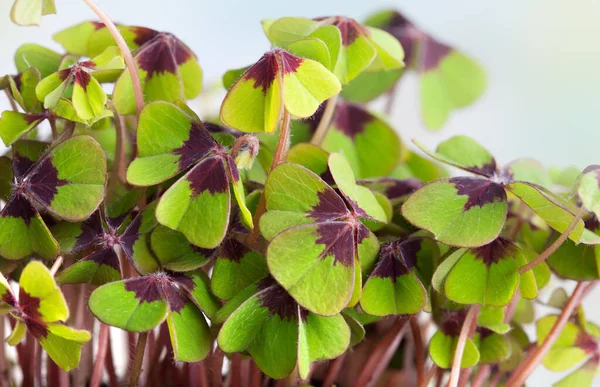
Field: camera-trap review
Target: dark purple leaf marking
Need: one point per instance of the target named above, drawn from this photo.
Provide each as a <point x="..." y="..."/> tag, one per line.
<point x="91" y="230"/>
<point x="82" y="78"/>
<point x="65" y="73"/>
<point x="36" y="118"/>
<point x="289" y="62"/>
<point x="198" y="144"/>
<point x="234" y="173"/>
<point x="349" y="28"/>
<point x="233" y="250"/>
<point x="9" y="299"/>
<point x="209" y="175"/>
<point x="21" y="162"/>
<point x="399" y="188"/>
<point x="329" y="207"/>
<point x="37" y="328"/>
<point x="586" y="342"/>
<point x="433" y="52"/>
<point x="484" y="333"/>
<point x="278" y="301"/>
<point x="351" y="119"/>
<point x="43" y="181"/>
<point x="592" y="223"/>
<point x="130" y="236"/>
<point x="339" y="241"/>
<point x="397" y="258"/>
<point x="17" y="79"/>
<point x="142" y="34"/>
<point x="98" y="25"/>
<point x="29" y="305"/>
<point x="146" y="289"/>
<point x="19" y="207"/>
<point x="174" y="296"/>
<point x="182" y="280"/>
<point x="267" y="68"/>
<point x="106" y="256"/>
<point x="162" y="54"/>
<point x="403" y="30"/>
<point x="493" y="252"/>
<point x="263" y="72"/>
<point x="215" y="128"/>
<point x="479" y="191"/>
<point x="452" y="322"/>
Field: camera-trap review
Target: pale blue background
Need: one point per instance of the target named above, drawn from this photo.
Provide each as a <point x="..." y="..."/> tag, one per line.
<point x="542" y="59"/>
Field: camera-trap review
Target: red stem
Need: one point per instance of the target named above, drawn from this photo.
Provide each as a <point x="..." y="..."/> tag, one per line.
<point x="333" y="371"/>
<point x="125" y="51"/>
<point x="100" y="355"/>
<point x="518" y="378"/>
<point x="419" y="350"/>
<point x="469" y="322"/>
<point x="381" y="355"/>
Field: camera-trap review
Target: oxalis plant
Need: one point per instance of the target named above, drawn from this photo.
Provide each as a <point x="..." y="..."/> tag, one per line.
<point x="292" y="238"/>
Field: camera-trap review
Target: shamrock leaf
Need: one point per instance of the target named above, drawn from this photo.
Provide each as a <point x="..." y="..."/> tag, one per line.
<point x="43" y="59"/>
<point x="145" y="302"/>
<point x="29" y="12"/>
<point x="449" y="79"/>
<point x="353" y="48"/>
<point x="88" y="97"/>
<point x="471" y="211"/>
<point x="392" y="287"/>
<point x="40" y="309"/>
<point x="442" y="345"/>
<point x="236" y="267"/>
<point x="204" y="191"/>
<point x="13" y="125"/>
<point x="278" y="80"/>
<point x="493" y="348"/>
<point x="323" y="232"/>
<point x="486" y="275"/>
<point x="167" y="68"/>
<point x="22" y="88"/>
<point x="279" y="334"/>
<point x="574" y="345"/>
<point x="66" y="180"/>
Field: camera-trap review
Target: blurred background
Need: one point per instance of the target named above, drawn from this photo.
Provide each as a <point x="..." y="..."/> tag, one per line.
<point x="542" y="60"/>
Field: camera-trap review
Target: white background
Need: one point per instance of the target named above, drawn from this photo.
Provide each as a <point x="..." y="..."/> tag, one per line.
<point x="542" y="58"/>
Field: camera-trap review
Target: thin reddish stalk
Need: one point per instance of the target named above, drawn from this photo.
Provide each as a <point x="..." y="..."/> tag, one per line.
<point x="235" y="369"/>
<point x="381" y="355"/>
<point x="280" y="153"/>
<point x="110" y="365"/>
<point x="419" y="350"/>
<point x="391" y="98"/>
<point x="119" y="166"/>
<point x="56" y="265"/>
<point x="255" y="376"/>
<point x="469" y="322"/>
<point x="432" y="371"/>
<point x="37" y="363"/>
<point x="100" y="356"/>
<point x="3" y="361"/>
<point x="216" y="367"/>
<point x="518" y="378"/>
<point x="333" y="371"/>
<point x="481" y="375"/>
<point x="325" y="122"/>
<point x="131" y="66"/>
<point x="557" y="243"/>
<point x="138" y="359"/>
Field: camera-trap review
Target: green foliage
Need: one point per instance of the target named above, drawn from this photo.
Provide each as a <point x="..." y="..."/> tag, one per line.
<point x="287" y="247"/>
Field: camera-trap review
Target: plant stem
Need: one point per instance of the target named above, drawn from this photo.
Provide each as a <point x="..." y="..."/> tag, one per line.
<point x="119" y="162"/>
<point x="280" y="153"/>
<point x="432" y="371"/>
<point x="469" y="322"/>
<point x="325" y="122"/>
<point x="57" y="263"/>
<point x="11" y="101"/>
<point x="557" y="243"/>
<point x="419" y="350"/>
<point x="481" y="375"/>
<point x="110" y="365"/>
<point x="100" y="355"/>
<point x="334" y="370"/>
<point x="138" y="358"/>
<point x="381" y="355"/>
<point x="131" y="66"/>
<point x="518" y="378"/>
<point x="52" y="122"/>
<point x="37" y="363"/>
<point x="391" y="98"/>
